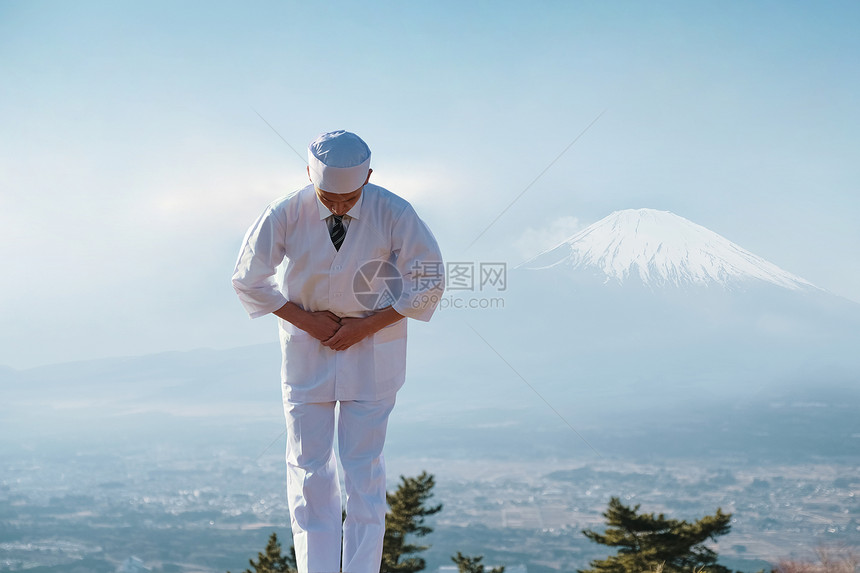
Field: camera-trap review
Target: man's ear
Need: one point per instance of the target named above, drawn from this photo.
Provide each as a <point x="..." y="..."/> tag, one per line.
<point x="369" y="171"/>
<point x="309" y="174"/>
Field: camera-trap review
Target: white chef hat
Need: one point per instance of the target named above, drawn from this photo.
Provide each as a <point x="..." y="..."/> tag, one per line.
<point x="338" y="161"/>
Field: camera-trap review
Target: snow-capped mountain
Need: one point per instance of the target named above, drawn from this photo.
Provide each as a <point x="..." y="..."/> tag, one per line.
<point x="645" y="307"/>
<point x="660" y="248"/>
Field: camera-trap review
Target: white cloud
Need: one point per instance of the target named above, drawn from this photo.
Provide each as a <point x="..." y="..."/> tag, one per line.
<point x="427" y="186"/>
<point x="534" y="241"/>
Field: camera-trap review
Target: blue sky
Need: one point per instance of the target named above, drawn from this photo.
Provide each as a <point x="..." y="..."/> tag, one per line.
<point x="132" y="158"/>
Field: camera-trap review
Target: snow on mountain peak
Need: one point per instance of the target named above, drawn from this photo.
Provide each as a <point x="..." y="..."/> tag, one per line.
<point x="661" y="248"/>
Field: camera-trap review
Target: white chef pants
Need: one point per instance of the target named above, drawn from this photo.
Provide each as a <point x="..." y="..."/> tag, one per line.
<point x="313" y="490"/>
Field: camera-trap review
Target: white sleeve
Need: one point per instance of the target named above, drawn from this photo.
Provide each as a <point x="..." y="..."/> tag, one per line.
<point x="420" y="264"/>
<point x="261" y="253"/>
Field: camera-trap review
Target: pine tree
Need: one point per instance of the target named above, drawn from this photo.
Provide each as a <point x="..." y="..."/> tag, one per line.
<point x="473" y="564"/>
<point x="273" y="561"/>
<point x="648" y="543"/>
<point x="406" y="514"/>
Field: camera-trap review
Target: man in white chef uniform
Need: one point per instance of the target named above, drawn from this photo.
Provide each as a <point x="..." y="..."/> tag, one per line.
<point x="340" y="263"/>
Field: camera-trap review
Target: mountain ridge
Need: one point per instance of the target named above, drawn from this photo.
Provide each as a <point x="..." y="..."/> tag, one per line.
<point x="660" y="248"/>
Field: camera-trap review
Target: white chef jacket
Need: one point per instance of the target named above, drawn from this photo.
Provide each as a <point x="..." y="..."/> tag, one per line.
<point x="292" y="234"/>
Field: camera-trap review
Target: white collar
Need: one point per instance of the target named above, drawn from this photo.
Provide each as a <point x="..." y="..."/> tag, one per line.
<point x="354" y="212"/>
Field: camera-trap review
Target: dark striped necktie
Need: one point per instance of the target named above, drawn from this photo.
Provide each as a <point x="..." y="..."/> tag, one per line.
<point x="338" y="232"/>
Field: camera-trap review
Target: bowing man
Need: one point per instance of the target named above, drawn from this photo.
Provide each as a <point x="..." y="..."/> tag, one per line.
<point x="341" y="263"/>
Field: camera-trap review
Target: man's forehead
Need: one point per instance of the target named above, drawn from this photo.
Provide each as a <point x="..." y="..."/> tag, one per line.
<point x="337" y="197"/>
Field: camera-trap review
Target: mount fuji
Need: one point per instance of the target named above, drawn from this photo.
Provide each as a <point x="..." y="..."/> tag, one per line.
<point x="662" y="249"/>
<point x="645" y="308"/>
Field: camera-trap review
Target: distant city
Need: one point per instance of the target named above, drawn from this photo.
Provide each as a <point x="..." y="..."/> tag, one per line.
<point x="169" y="509"/>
